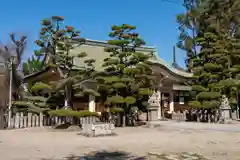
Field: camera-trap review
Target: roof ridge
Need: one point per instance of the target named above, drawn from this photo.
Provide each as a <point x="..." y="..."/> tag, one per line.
<point x="105" y="42"/>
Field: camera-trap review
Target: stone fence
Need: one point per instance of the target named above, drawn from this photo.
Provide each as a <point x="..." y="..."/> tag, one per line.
<point x="19" y="120"/>
<point x="178" y="116"/>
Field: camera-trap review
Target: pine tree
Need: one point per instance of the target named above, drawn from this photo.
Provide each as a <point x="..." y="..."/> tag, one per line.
<point x="207" y="73"/>
<point x="127" y="78"/>
<point x="189" y="29"/>
<point x="215" y="66"/>
<point x="33" y="64"/>
<point x="56" y="42"/>
<point x="35" y="99"/>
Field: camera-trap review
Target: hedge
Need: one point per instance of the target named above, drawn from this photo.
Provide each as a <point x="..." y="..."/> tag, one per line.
<point x="69" y="112"/>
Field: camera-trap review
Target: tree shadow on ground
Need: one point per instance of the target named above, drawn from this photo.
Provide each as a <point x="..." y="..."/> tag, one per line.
<point x="63" y="126"/>
<point x="104" y="155"/>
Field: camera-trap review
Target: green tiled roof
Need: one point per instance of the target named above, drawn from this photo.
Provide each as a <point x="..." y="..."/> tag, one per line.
<point x="95" y="50"/>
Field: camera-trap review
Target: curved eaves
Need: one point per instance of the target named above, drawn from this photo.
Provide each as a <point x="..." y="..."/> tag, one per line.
<point x="172" y="70"/>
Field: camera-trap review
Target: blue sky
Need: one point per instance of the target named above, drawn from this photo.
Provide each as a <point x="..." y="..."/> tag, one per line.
<point x="155" y="20"/>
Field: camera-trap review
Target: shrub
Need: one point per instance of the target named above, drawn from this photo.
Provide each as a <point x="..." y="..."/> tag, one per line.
<point x="195" y="104"/>
<point x="210" y="104"/>
<point x="116" y="110"/>
<point x="208" y="95"/>
<point x="69" y="112"/>
<point x="198" y="88"/>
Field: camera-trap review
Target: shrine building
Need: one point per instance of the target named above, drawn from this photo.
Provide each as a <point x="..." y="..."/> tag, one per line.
<point x="172" y="95"/>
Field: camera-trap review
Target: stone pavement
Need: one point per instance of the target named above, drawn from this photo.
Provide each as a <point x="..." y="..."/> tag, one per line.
<point x="235" y="127"/>
<point x="213" y="141"/>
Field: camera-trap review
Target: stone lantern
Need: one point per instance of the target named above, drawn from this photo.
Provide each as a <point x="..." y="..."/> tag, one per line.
<point x="225" y="110"/>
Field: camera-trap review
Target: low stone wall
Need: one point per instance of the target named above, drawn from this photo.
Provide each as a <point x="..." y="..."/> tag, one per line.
<point x="98" y="129"/>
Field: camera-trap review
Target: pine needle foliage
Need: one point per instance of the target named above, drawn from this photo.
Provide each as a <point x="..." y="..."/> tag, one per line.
<point x="56" y="41"/>
<point x="213" y="49"/>
<point x="127" y="77"/>
<point x="34" y="64"/>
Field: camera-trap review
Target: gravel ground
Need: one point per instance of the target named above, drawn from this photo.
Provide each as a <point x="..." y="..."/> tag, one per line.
<point x="214" y="141"/>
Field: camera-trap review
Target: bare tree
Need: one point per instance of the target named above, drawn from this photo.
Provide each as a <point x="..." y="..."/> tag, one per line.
<point x="11" y="56"/>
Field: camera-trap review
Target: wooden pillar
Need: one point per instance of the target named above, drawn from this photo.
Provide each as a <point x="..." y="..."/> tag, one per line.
<point x="171" y="105"/>
<point x="92" y="105"/>
<point x="158" y="99"/>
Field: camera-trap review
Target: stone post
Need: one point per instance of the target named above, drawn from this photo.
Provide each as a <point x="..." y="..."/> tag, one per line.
<point x="40" y="119"/>
<point x="37" y="121"/>
<point x="34" y="120"/>
<point x="21" y="120"/>
<point x="17" y="120"/>
<point x="29" y="120"/>
<point x="25" y="121"/>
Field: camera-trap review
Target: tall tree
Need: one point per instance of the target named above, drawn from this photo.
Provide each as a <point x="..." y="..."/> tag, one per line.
<point x="215" y="65"/>
<point x="12" y="56"/>
<point x="127" y="77"/>
<point x="189" y="29"/>
<point x="201" y="16"/>
<point x="56" y="41"/>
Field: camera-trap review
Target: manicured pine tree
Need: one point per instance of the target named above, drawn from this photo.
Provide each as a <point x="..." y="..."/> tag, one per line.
<point x="55" y="42"/>
<point x="35" y="99"/>
<point x="127" y="77"/>
<point x="207" y="74"/>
